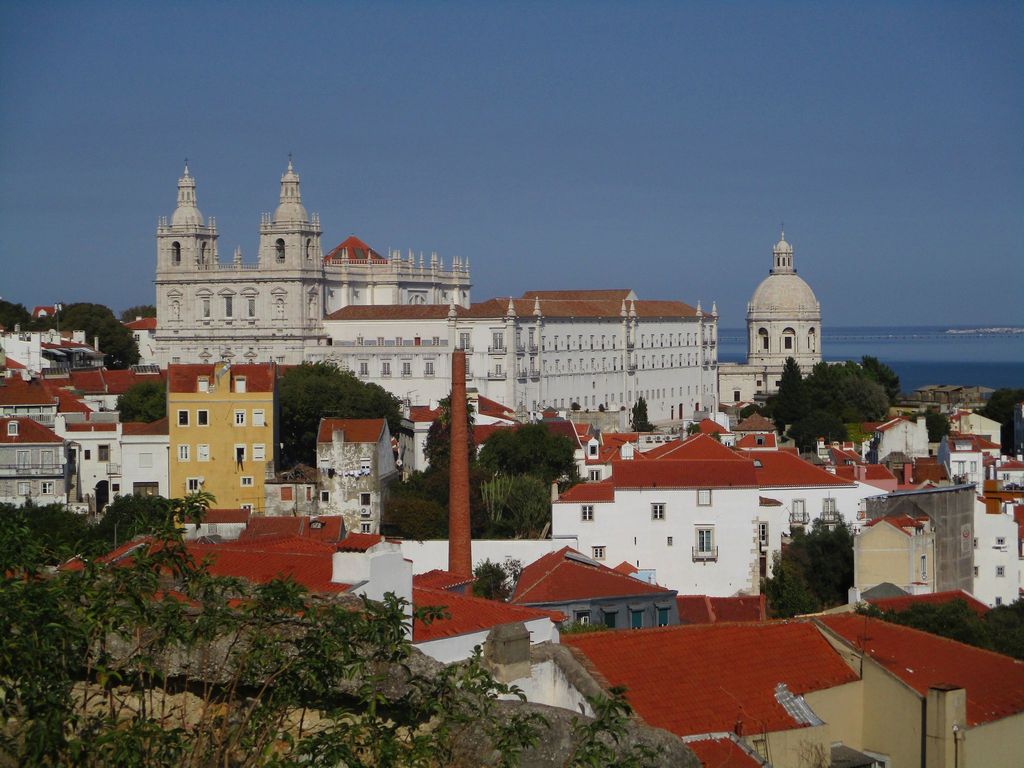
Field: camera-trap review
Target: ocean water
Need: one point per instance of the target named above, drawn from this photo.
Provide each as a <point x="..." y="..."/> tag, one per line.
<point x="920" y="355"/>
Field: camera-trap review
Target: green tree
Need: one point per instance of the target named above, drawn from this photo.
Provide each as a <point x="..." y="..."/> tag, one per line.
<point x="13" y="314"/>
<point x="639" y="420"/>
<point x="312" y="391"/>
<point x="437" y="449"/>
<point x="1000" y="408"/>
<point x="806" y="430"/>
<point x="139" y="310"/>
<point x="116" y="341"/>
<point x="496" y="581"/>
<point x="825" y="556"/>
<point x="791" y="403"/>
<point x="518" y="506"/>
<point x="145" y="401"/>
<point x="881" y="373"/>
<point x="529" y="449"/>
<point x="787" y="591"/>
<point x="129" y="516"/>
<point x="414" y="517"/>
<point x="58" y="533"/>
<point x="938" y="426"/>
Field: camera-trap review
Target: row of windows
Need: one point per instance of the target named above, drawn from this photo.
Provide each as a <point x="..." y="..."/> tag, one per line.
<point x="202" y="417"/>
<point x="610" y="618"/>
<point x="202" y="452"/>
<point x="29" y="488"/>
<point x="566" y="343"/>
<point x="228" y="308"/>
<point x="657" y="507"/>
<point x="703" y="536"/>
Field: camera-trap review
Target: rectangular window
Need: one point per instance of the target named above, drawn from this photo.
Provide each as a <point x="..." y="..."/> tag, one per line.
<point x="1000" y="541"/>
<point x="259" y="452"/>
<point x="924" y="567"/>
<point x="610" y="619"/>
<point x="145" y="460"/>
<point x="229" y="306"/>
<point x="662" y="617"/>
<point x="597" y="553"/>
<point x="636" y="619"/>
<point x="364" y="369"/>
<point x="202" y="452"/>
<point x="103" y="453"/>
<point x="252" y="307"/>
<point x="385" y="369"/>
<point x="581" y="617"/>
<point x="587" y="512"/>
<point x="240" y="385"/>
<point x="146" y="489"/>
<point x="247" y="482"/>
<point x="407" y="369"/>
<point x="183" y="453"/>
<point x="1000" y="571"/>
<point x="704" y="497"/>
<point x="364" y="499"/>
<point x="182" y="418"/>
<point x="240" y="455"/>
<point x="705" y="548"/>
<point x="286" y="493"/>
<point x="24" y="488"/>
<point x="828" y="508"/>
<point x="86" y="453"/>
<point x="464" y="341"/>
<point x="204" y="383"/>
<point x="259" y="417"/>
<point x="325" y="496"/>
<point x="366" y="527"/>
<point x="595" y="475"/>
<point x="192" y="484"/>
<point x="240" y="418"/>
<point x="203" y="418"/>
<point x="668" y="541"/>
<point x="657" y="511"/>
<point x="47" y="488"/>
<point x="762" y="534"/>
<point x="428" y="368"/>
<point x="206" y="308"/>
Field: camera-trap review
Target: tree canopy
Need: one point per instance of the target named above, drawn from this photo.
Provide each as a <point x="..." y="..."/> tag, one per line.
<point x="814" y="571"/>
<point x="1000" y="408"/>
<point x="530" y="449"/>
<point x="312" y="391"/>
<point x="145" y="401"/>
<point x="116" y="342"/>
<point x="139" y="310"/>
<point x="639" y="420"/>
<point x="12" y="314"/>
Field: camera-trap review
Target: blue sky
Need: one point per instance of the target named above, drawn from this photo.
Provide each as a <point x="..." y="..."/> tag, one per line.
<point x="556" y="145"/>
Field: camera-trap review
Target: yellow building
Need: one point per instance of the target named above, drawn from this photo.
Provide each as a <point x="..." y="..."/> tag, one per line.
<point x="223" y="431"/>
<point x="895" y="550"/>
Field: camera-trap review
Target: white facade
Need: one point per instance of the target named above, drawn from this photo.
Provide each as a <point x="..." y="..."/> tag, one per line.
<point x="783" y="320"/>
<point x="354" y="471"/>
<point x="996" y="561"/>
<point x="45" y="350"/>
<point x="271" y="310"/>
<point x="899" y="435"/>
<point x="144" y="458"/>
<point x="546" y="349"/>
<point x="449" y="650"/>
<point x="95" y="447"/>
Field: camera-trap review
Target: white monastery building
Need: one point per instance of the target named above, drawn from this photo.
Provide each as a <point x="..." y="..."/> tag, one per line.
<point x="783" y="320"/>
<point x="395" y="320"/>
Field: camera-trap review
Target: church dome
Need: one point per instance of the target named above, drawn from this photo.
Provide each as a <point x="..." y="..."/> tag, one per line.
<point x="187" y="214"/>
<point x="290" y="208"/>
<point x="786" y="292"/>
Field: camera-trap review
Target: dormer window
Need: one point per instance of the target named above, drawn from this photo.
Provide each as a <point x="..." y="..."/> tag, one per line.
<point x="12" y="429"/>
<point x="204" y="383"/>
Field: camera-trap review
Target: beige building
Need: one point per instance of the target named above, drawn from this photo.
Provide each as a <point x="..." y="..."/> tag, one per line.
<point x="895" y="550"/>
<point x="783" y="320"/>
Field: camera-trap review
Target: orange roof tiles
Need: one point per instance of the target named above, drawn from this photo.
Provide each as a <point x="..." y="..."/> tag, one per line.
<point x="567" y="575"/>
<point x="423" y="413"/>
<point x="484" y="432"/>
<point x="158" y="427"/>
<point x="308" y="563"/>
<point x="709" y="427"/>
<point x="755" y="440"/>
<point x="694" y="447"/>
<point x="326" y="528"/>
<point x="696" y="473"/>
<point x="259" y="377"/>
<point x="17" y="391"/>
<point x="29" y="432"/>
<point x="755" y="422"/>
<point x="467" y="614"/>
<point x="706" y="679"/>
<point x="359" y="542"/>
<point x="142" y="324"/>
<point x="994" y="683"/>
<point x="589" y="492"/>
<point x="439" y="579"/>
<point x="355" y="430"/>
<point x="703" y="609"/>
<point x="722" y="752"/>
<point x="487" y="407"/>
<point x="395" y="312"/>
<point x="355" y="249"/>
<point x="898" y="604"/>
<point x="783" y="469"/>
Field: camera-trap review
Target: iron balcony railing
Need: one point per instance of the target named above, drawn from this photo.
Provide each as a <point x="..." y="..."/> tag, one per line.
<point x="702" y="555"/>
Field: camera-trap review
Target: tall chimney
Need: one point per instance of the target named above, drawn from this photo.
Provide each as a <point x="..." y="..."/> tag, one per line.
<point x="460" y="558"/>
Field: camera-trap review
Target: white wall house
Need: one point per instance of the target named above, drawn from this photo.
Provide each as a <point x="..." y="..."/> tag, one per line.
<point x="94" y="443"/>
<point x="144" y="457"/>
<point x="355" y="464"/>
<point x="704" y="518"/>
<point x="964" y="457"/>
<point x="996" y="561"/>
<point x="546" y="349"/>
<point x="33" y="463"/>
<point x="899" y="435"/>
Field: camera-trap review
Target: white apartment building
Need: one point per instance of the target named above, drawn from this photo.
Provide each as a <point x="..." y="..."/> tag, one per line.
<point x="704" y="518"/>
<point x="964" y="457"/>
<point x="144" y="457"/>
<point x="94" y="443"/>
<point x="547" y="349"/>
<point x="996" y="561"/>
<point x="899" y="435"/>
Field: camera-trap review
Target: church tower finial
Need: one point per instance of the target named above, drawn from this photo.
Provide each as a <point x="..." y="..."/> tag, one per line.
<point x="782" y="257"/>
<point x="290" y="206"/>
<point x="187" y="212"/>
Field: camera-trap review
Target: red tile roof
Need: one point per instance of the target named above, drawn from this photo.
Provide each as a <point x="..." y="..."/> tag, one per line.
<point x="598" y="294"/>
<point x="359" y="542"/>
<point x="600" y="304"/>
<point x="484" y="432"/>
<point x="975" y="443"/>
<point x="709" y="427"/>
<point x="355" y="430"/>
<point x="755" y="422"/>
<point x="13" y="364"/>
<point x="309" y="563"/>
<point x="626" y="567"/>
<point x="487" y="407"/>
<point x="468" y="614"/>
<point x="566" y="575"/>
<point x="17" y="391"/>
<point x="355" y="249"/>
<point x="694" y="447"/>
<point x="588" y="492"/>
<point x="259" y="377"/>
<point x="142" y="324"/>
<point x="423" y="413"/>
<point x="395" y="312"/>
<point x="702" y="609"/>
<point x="757" y="440"/>
<point x="706" y="679"/>
<point x="29" y="432"/>
<point x="780" y="469"/>
<point x="158" y="427"/>
<point x="697" y="473"/>
<point x="994" y="683"/>
<point x="722" y="752"/>
<point x="328" y="528"/>
<point x="886" y="426"/>
<point x="226" y="516"/>
<point x="900" y="522"/>
<point x="438" y="579"/>
<point x="899" y="604"/>
<point x="91" y="426"/>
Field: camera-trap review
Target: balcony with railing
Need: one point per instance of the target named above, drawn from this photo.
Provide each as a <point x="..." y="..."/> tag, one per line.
<point x="799" y="518"/>
<point x="495" y="349"/>
<point x="705" y="555"/>
<point x="496" y="374"/>
<point x="113" y="469"/>
<point x="32" y="469"/>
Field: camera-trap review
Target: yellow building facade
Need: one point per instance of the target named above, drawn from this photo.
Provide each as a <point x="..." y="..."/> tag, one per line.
<point x="222" y="431"/>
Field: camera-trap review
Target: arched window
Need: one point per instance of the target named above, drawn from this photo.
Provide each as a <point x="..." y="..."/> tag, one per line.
<point x="176" y="253"/>
<point x="309" y="249"/>
<point x="812" y="340"/>
<point x="202" y="253"/>
<point x="762" y="335"/>
<point x="280" y="251"/>
<point x="789" y="339"/>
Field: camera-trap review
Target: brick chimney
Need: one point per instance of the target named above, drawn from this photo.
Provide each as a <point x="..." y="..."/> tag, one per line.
<point x="460" y="559"/>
